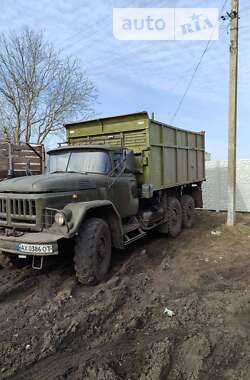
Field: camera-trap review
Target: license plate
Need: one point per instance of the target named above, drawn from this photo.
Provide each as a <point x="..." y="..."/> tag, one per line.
<point x="35" y="248"/>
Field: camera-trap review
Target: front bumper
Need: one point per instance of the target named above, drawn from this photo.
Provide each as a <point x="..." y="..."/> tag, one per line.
<point x="11" y="244"/>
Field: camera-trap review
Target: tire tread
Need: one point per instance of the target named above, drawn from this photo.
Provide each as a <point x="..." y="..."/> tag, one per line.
<point x="83" y="259"/>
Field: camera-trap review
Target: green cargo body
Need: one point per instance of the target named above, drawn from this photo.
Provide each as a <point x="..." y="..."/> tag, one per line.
<point x="166" y="156"/>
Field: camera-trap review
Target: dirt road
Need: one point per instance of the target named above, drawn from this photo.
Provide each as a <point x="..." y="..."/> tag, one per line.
<point x="53" y="328"/>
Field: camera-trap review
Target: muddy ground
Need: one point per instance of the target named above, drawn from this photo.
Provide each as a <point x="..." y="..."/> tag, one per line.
<point x="53" y="328"/>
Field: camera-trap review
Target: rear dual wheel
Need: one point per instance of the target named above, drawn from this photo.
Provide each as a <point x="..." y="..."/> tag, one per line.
<point x="179" y="214"/>
<point x="174" y="212"/>
<point x="188" y="211"/>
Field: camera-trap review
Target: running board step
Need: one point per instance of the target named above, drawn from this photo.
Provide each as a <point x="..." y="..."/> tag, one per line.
<point x="133" y="235"/>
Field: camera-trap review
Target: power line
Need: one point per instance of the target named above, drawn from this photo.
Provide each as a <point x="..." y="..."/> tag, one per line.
<point x="195" y="69"/>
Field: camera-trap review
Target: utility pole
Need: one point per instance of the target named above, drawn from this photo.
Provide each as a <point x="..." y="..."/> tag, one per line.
<point x="232" y="122"/>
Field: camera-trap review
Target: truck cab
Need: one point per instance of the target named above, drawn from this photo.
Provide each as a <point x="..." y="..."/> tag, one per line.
<point x="107" y="167"/>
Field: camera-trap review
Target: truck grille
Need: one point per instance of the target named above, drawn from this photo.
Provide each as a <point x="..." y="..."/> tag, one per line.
<point x="22" y="211"/>
<point x="16" y="211"/>
<point x="3" y="210"/>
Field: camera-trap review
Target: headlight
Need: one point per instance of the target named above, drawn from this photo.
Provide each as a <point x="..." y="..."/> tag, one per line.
<point x="60" y="218"/>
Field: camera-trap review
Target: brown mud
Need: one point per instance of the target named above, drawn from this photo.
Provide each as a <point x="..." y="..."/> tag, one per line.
<point x="51" y="327"/>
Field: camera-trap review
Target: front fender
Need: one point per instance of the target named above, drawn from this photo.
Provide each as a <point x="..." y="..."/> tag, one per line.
<point x="100" y="208"/>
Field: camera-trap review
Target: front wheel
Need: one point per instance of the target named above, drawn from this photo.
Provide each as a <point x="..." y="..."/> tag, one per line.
<point x="92" y="251"/>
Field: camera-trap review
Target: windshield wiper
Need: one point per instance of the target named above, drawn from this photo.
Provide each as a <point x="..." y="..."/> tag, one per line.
<point x="74" y="171"/>
<point x="57" y="171"/>
<point x="68" y="171"/>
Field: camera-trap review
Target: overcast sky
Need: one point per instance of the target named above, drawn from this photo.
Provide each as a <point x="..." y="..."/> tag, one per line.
<point x="133" y="76"/>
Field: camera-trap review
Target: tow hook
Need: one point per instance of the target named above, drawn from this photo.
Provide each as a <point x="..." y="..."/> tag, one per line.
<point x="37" y="262"/>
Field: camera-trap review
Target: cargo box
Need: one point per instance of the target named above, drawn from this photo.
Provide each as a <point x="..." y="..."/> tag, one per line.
<point x="166" y="156"/>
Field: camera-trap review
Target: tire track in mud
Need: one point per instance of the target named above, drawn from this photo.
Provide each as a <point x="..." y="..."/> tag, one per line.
<point x="97" y="316"/>
<point x="17" y="290"/>
<point x="46" y="369"/>
<point x="23" y="296"/>
<point x="18" y="284"/>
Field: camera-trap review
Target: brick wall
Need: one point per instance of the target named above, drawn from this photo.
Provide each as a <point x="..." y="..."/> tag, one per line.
<point x="215" y="188"/>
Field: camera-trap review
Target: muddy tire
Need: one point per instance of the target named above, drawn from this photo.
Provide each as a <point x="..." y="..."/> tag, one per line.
<point x="92" y="251"/>
<point x="188" y="211"/>
<point x="174" y="212"/>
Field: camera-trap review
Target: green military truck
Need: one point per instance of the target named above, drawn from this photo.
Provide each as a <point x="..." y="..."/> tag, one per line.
<point x="116" y="179"/>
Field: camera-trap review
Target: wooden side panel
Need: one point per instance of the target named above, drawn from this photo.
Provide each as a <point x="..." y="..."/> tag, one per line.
<point x="16" y="157"/>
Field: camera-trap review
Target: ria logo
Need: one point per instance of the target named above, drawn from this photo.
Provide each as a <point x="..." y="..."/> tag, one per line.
<point x="197" y="24"/>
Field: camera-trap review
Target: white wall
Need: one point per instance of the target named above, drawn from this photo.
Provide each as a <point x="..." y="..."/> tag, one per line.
<point x="215" y="188"/>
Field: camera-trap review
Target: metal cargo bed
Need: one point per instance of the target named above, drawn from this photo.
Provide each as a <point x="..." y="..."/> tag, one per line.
<point x="166" y="156"/>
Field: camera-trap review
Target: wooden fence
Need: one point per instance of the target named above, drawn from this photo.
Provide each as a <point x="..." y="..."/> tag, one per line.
<point x="20" y="160"/>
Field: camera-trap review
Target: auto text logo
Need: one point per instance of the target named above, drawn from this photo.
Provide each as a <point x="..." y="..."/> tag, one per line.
<point x="166" y="23"/>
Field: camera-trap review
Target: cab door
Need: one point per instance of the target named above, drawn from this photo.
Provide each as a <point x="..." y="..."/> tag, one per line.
<point x="124" y="189"/>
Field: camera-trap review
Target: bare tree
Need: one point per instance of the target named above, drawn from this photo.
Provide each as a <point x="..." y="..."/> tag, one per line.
<point x="39" y="89"/>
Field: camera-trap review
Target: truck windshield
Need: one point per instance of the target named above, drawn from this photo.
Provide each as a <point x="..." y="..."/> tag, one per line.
<point x="79" y="161"/>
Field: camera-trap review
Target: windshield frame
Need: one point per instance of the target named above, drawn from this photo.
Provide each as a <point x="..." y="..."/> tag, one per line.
<point x="70" y="152"/>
